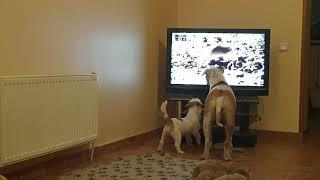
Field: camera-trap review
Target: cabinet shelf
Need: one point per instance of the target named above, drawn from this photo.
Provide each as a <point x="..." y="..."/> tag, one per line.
<point x="243" y="135"/>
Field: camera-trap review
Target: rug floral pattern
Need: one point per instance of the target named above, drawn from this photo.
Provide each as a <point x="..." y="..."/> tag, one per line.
<point x="138" y="167"/>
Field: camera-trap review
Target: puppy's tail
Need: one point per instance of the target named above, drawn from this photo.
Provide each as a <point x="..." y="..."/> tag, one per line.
<point x="164" y="114"/>
<point x="219" y="105"/>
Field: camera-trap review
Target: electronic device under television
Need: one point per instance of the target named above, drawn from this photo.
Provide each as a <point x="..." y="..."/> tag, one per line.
<point x="244" y="54"/>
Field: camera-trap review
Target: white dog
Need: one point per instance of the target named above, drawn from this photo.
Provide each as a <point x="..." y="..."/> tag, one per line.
<point x="220" y="101"/>
<point x="187" y="126"/>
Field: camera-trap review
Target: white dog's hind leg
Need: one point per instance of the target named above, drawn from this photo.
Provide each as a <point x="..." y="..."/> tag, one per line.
<point x="229" y="117"/>
<point x="228" y="143"/>
<point x="177" y="138"/>
<point x="207" y="135"/>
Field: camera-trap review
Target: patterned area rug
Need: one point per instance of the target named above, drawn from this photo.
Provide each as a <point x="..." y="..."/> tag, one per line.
<point x="139" y="167"/>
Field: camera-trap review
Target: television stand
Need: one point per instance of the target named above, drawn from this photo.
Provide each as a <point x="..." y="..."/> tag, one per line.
<point x="246" y="109"/>
<point x="243" y="136"/>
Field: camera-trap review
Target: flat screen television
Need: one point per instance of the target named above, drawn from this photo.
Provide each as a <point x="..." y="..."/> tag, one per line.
<point x="244" y="54"/>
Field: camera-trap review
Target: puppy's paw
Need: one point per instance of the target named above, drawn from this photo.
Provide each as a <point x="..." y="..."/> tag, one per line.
<point x="180" y="152"/>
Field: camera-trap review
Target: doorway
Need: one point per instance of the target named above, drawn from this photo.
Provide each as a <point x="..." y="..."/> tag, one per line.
<point x="310" y="65"/>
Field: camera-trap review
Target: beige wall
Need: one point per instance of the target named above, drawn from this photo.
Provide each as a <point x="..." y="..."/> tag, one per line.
<point x="121" y="41"/>
<point x="285" y="20"/>
<point x="118" y="39"/>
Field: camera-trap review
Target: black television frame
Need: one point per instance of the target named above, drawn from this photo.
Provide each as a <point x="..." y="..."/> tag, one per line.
<point x="202" y="90"/>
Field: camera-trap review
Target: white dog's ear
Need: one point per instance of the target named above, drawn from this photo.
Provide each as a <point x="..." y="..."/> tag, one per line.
<point x="221" y="68"/>
<point x="205" y="72"/>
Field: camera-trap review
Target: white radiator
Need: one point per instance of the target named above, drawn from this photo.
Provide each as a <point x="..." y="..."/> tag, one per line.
<point x="44" y="114"/>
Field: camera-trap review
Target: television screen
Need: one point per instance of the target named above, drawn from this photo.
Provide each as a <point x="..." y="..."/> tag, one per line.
<point x="243" y="53"/>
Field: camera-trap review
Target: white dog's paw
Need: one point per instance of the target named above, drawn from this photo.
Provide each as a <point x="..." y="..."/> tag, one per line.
<point x="227" y="157"/>
<point x="205" y="156"/>
<point x="180" y="152"/>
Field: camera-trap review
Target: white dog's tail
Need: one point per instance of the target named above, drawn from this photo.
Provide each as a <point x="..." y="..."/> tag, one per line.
<point x="219" y="105"/>
<point x="164" y="114"/>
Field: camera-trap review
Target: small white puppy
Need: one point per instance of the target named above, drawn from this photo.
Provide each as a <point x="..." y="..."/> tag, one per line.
<point x="220" y="101"/>
<point x="178" y="127"/>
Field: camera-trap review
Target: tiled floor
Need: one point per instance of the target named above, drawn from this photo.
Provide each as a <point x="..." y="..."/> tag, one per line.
<point x="275" y="156"/>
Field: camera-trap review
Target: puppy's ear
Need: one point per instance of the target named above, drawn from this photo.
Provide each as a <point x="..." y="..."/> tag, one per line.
<point x="201" y="104"/>
<point x="187" y="105"/>
<point x="221" y="68"/>
<point x="198" y="102"/>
